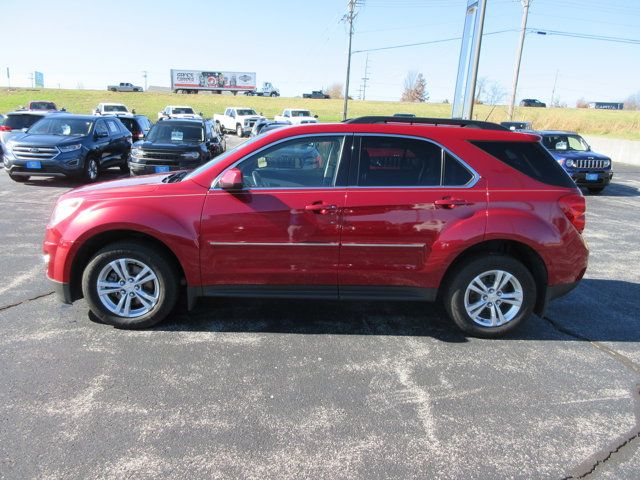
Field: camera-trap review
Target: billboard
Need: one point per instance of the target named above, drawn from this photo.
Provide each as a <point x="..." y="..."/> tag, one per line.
<point x="38" y="78"/>
<point x="212" y="79"/>
<point x="469" y="58"/>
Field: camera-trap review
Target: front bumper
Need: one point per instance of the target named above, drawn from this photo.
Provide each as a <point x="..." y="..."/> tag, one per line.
<point x="62" y="166"/>
<point x="137" y="168"/>
<point x="603" y="178"/>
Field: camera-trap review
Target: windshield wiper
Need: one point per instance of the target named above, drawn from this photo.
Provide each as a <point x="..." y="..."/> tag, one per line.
<point x="174" y="177"/>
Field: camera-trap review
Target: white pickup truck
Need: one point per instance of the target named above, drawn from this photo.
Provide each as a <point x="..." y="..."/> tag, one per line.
<point x="124" y="87"/>
<point x="178" y="111"/>
<point x="296" y="116"/>
<point x="111" y="109"/>
<point x="237" y="119"/>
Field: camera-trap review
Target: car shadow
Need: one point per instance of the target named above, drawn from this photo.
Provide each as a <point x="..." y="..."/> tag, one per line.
<point x="64" y="182"/>
<point x="593" y="311"/>
<point x="615" y="190"/>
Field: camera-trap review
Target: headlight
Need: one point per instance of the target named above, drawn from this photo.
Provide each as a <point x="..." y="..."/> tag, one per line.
<point x="570" y="163"/>
<point x="137" y="152"/>
<point x="191" y="155"/>
<point x="64" y="209"/>
<point x="69" y="148"/>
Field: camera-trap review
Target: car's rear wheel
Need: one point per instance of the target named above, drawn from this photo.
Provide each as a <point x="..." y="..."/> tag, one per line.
<point x="19" y="178"/>
<point x="490" y="295"/>
<point x="130" y="285"/>
<point x="91" y="169"/>
<point x="595" y="190"/>
<point x="274" y="94"/>
<point x="239" y="130"/>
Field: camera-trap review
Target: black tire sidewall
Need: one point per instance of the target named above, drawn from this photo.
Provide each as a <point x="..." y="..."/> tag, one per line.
<point x="85" y="173"/>
<point x="463" y="275"/>
<point x="167" y="280"/>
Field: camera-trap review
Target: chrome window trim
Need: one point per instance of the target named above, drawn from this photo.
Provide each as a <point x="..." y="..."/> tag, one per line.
<point x="470" y="184"/>
<point x="214" y="184"/>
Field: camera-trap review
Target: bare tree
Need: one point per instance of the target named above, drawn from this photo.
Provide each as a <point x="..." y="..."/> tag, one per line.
<point x="481" y="86"/>
<point x="415" y="88"/>
<point x="496" y="93"/>
<point x="335" y="90"/>
<point x="581" y="103"/>
<point x="632" y="102"/>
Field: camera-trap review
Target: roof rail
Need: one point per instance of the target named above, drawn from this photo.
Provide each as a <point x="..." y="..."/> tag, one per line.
<point x="428" y="121"/>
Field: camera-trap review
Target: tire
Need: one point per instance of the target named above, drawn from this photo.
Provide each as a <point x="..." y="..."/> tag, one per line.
<point x="220" y="127"/>
<point x="124" y="168"/>
<point x="595" y="190"/>
<point x="91" y="169"/>
<point x="239" y="131"/>
<point x="459" y="298"/>
<point x="160" y="291"/>
<point x="19" y="178"/>
<point x="274" y="94"/>
<point x="114" y="89"/>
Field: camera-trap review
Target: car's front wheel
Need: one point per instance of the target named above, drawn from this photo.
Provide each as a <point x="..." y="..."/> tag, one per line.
<point x="130" y="285"/>
<point x="91" y="169"/>
<point x="490" y="295"/>
<point x="239" y="132"/>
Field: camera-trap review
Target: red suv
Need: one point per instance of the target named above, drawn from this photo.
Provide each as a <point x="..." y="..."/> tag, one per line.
<point x="375" y="208"/>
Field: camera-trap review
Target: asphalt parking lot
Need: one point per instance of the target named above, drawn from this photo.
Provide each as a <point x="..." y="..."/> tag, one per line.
<point x="310" y="389"/>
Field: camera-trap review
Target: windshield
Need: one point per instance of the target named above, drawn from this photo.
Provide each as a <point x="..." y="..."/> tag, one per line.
<point x="42" y="106"/>
<point x="18" y="122"/>
<point x="222" y="157"/>
<point x="164" y="132"/>
<point x="74" y="127"/>
<point x="300" y="113"/>
<point x="182" y="110"/>
<point x="115" y="108"/>
<point x="565" y="143"/>
<point x="246" y="111"/>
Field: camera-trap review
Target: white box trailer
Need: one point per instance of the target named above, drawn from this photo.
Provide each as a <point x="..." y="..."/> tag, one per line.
<point x="194" y="81"/>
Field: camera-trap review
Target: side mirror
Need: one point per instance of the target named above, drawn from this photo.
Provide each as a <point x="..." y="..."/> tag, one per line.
<point x="231" y="179"/>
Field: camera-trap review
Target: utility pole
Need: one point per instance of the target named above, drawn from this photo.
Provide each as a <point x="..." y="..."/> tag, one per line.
<point x="144" y="75"/>
<point x="553" y="92"/>
<point x="516" y="73"/>
<point x="349" y="18"/>
<point x="31" y="79"/>
<point x="365" y="79"/>
<point x="8" y="78"/>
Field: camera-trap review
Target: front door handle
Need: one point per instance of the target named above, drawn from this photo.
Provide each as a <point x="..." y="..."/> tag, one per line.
<point x="321" y="208"/>
<point x="451" y="202"/>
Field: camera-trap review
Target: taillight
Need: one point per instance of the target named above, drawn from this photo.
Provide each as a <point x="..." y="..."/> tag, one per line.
<point x="574" y="207"/>
<point x="5" y="128"/>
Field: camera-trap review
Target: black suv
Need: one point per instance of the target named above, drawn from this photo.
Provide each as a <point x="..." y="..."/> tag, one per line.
<point x="175" y="144"/>
<point x="138" y="125"/>
<point x="532" y="102"/>
<point x="66" y="145"/>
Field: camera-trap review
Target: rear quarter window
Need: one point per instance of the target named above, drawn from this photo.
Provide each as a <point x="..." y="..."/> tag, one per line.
<point x="529" y="158"/>
<point x="17" y="122"/>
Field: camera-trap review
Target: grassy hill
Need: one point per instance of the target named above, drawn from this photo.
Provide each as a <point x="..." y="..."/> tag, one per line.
<point x="617" y="124"/>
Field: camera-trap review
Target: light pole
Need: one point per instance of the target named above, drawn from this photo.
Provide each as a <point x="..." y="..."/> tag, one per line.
<point x="350" y="16"/>
<point x="516" y="73"/>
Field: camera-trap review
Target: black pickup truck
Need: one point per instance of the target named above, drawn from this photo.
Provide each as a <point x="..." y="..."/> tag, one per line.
<point x="316" y="94"/>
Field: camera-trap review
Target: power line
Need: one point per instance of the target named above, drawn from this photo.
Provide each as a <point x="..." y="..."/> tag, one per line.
<point x="587" y="36"/>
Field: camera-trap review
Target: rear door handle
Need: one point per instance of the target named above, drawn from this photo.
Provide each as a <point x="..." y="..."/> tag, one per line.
<point x="451" y="202"/>
<point x="321" y="208"/>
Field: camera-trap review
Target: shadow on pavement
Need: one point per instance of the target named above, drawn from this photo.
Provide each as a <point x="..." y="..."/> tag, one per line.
<point x="63" y="182"/>
<point x="616" y="190"/>
<point x="600" y="310"/>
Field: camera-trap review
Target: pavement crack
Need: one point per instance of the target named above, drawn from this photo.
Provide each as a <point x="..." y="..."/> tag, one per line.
<point x="623" y="359"/>
<point x="605" y="455"/>
<point x="7" y="307"/>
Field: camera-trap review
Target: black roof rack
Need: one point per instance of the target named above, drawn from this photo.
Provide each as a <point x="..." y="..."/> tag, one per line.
<point x="429" y="121"/>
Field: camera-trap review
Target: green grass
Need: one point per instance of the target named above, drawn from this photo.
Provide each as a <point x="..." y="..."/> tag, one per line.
<point x="615" y="124"/>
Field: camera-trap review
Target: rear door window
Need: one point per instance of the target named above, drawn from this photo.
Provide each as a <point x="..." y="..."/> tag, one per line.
<point x="398" y="162"/>
<point x="529" y="158"/>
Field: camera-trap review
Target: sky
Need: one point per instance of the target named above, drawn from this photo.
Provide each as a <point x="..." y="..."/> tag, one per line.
<point x="301" y="45"/>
